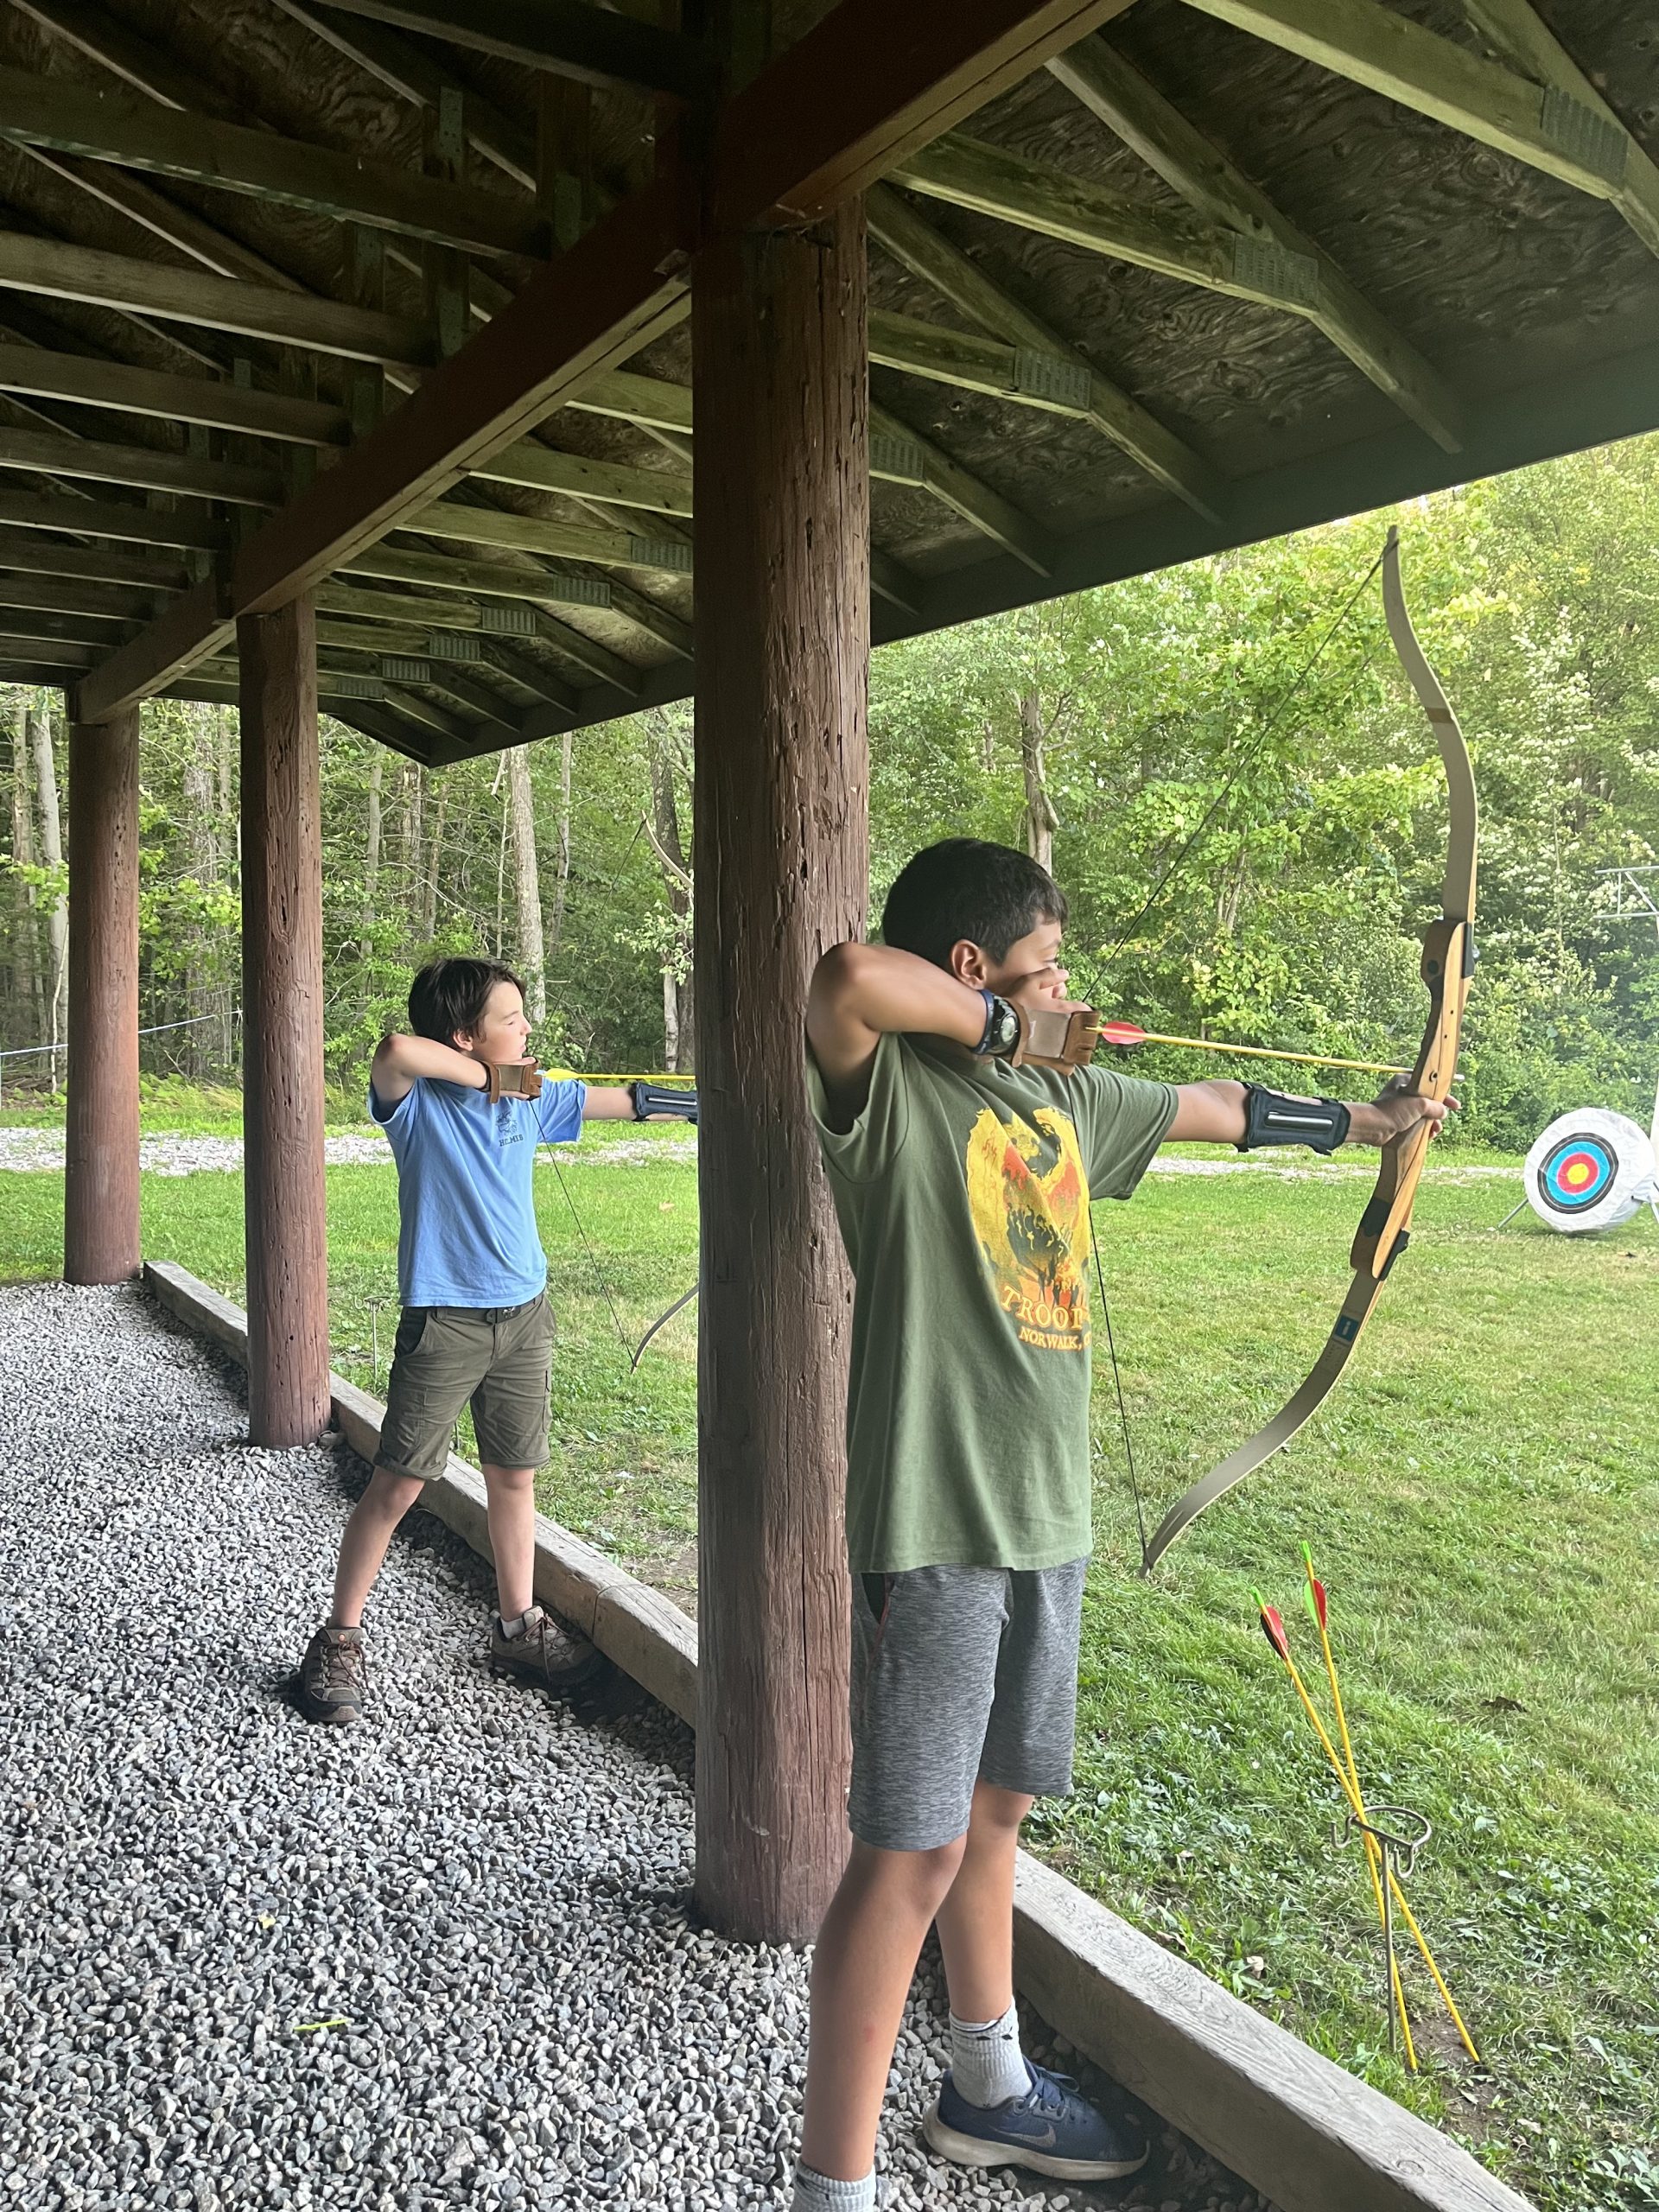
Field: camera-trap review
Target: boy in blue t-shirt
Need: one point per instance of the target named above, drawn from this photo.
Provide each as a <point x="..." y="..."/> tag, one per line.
<point x="476" y="1328"/>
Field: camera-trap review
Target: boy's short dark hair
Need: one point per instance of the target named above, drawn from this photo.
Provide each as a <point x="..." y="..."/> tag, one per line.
<point x="963" y="887"/>
<point x="451" y="994"/>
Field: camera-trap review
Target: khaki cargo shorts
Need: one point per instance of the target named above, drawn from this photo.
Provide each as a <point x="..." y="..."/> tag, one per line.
<point x="498" y="1359"/>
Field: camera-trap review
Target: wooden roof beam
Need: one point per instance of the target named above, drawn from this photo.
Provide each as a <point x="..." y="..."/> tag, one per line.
<point x="1057" y="382"/>
<point x="133" y="524"/>
<point x="567" y="37"/>
<point x="65" y="595"/>
<point x="542" y="468"/>
<point x="52" y="113"/>
<point x="1517" y="30"/>
<point x="1034" y="196"/>
<point x="537" y="589"/>
<point x="125" y="390"/>
<point x="563" y="541"/>
<point x="902" y="455"/>
<point x="21" y="548"/>
<point x="897" y="77"/>
<point x="913" y="241"/>
<point x="1548" y="126"/>
<point x="145" y="467"/>
<point x="149" y="288"/>
<point x="407" y="71"/>
<point x="1110" y="88"/>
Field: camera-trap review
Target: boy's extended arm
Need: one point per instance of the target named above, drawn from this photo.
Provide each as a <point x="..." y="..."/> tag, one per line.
<point x="400" y="1061"/>
<point x="861" y="992"/>
<point x="607" y="1101"/>
<point x="1213" y="1112"/>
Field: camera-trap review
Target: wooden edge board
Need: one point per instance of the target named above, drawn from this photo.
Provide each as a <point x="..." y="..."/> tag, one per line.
<point x="1293" y="2123"/>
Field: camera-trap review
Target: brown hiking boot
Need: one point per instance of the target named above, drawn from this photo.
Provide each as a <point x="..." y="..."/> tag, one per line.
<point x="333" y="1676"/>
<point x="542" y="1649"/>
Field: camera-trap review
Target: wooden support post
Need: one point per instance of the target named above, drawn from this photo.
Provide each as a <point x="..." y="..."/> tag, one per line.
<point x="281" y="1005"/>
<point x="100" y="1196"/>
<point x="782" y="499"/>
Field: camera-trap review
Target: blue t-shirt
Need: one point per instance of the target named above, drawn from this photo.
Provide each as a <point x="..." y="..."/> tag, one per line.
<point x="467" y="1213"/>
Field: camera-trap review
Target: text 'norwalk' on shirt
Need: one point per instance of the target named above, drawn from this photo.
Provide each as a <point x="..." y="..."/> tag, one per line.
<point x="962" y="1192"/>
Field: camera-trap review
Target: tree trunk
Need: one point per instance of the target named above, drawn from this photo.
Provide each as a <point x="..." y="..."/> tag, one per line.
<point x="434" y="866"/>
<point x="371" y="852"/>
<point x="200" y="826"/>
<point x="57" y="911"/>
<point x="526" y="885"/>
<point x="1041" y="821"/>
<point x="26" y="930"/>
<point x="679" y="1033"/>
<point x="562" y="879"/>
<point x="413" y="838"/>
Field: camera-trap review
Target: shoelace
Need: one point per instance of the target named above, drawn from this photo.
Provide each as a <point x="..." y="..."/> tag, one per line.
<point x="1051" y="2093"/>
<point x="343" y="1666"/>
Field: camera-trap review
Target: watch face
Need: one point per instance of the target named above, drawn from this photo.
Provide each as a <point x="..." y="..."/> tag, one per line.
<point x="1005" y="1028"/>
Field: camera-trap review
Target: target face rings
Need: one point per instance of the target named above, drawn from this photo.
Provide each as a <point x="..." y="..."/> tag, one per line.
<point x="1576" y="1172"/>
<point x="1590" y="1170"/>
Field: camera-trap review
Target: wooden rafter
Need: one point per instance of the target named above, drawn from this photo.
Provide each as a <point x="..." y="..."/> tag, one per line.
<point x="926" y="254"/>
<point x="131" y="524"/>
<point x="1036" y="196"/>
<point x="567" y="37"/>
<point x="1052" y="381"/>
<point x="407" y="71"/>
<point x="55" y="270"/>
<point x="1548" y="126"/>
<point x="144" y="467"/>
<point x="1213" y="185"/>
<point x="51" y="112"/>
<point x="780" y="143"/>
<point x="113" y="384"/>
<point x="902" y="455"/>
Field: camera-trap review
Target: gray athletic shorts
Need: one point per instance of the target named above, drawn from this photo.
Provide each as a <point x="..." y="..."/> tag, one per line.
<point x="960" y="1673"/>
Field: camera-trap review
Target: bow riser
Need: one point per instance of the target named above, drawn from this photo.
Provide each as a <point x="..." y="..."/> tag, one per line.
<point x="1385" y="1225"/>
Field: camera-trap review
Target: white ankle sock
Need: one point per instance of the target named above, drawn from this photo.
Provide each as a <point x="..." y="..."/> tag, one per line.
<point x="987" y="2063"/>
<point x="817" y="2192"/>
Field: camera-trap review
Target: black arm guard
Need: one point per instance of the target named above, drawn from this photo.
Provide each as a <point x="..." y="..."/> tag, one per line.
<point x="650" y="1098"/>
<point x="1273" y="1117"/>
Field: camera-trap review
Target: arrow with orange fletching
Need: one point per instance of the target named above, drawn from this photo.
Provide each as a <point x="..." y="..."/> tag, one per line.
<point x="1128" y="1034"/>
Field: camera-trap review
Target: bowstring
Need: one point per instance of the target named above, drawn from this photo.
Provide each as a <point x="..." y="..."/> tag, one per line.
<point x="1276" y="716"/>
<point x="592" y="1257"/>
<point x="1117" y="1383"/>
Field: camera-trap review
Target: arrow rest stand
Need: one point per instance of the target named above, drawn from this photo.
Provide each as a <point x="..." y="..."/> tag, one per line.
<point x="1398" y="1843"/>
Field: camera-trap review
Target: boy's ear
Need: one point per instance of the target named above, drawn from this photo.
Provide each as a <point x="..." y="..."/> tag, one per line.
<point x="968" y="963"/>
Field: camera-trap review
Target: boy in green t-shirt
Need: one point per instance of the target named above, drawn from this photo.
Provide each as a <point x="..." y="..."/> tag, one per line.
<point x="962" y="1149"/>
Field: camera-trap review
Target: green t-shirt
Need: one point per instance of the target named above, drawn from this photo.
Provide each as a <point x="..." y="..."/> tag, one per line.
<point x="962" y="1192"/>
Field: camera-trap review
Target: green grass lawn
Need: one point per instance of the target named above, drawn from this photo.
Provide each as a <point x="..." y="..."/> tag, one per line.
<point x="1481" y="1495"/>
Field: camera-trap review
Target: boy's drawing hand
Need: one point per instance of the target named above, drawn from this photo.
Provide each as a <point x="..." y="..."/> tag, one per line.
<point x="514" y="1079"/>
<point x="1393" y="1111"/>
<point x="1061" y="1033"/>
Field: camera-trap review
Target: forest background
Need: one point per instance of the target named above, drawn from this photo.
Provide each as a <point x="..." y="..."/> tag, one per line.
<point x="1103" y="732"/>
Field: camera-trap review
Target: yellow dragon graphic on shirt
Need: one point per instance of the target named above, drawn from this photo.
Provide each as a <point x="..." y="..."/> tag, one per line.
<point x="1029" y="1199"/>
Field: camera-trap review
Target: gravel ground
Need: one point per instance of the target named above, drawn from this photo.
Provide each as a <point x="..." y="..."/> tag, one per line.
<point x="442" y="1959"/>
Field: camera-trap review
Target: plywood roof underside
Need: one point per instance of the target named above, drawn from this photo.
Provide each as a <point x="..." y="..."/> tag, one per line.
<point x="1085" y="364"/>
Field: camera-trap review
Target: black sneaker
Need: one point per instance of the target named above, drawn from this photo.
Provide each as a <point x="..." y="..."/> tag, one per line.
<point x="546" y="1650"/>
<point x="333" y="1676"/>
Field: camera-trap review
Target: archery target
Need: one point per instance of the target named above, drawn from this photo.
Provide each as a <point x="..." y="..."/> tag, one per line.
<point x="1590" y="1170"/>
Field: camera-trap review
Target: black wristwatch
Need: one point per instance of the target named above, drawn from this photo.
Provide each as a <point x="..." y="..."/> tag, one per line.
<point x="1001" y="1035"/>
